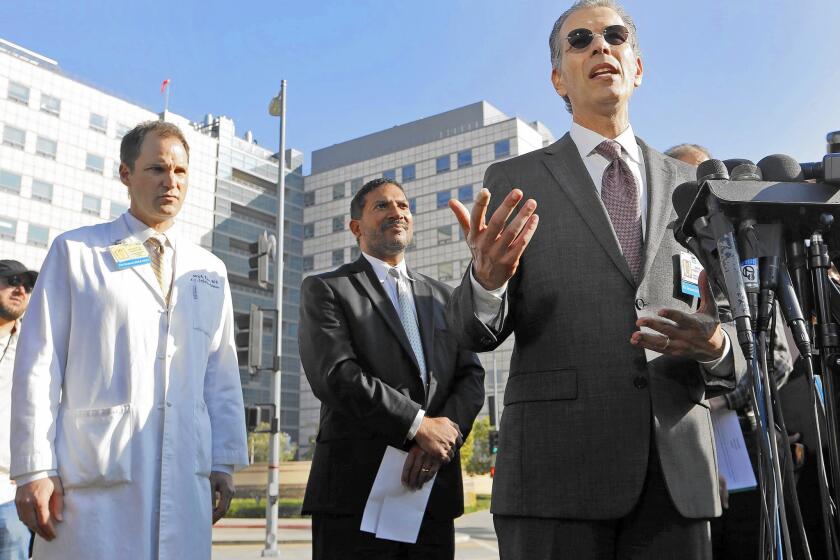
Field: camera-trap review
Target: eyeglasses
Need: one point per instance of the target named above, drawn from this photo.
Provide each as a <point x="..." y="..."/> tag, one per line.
<point x="17" y="281"/>
<point x="613" y="34"/>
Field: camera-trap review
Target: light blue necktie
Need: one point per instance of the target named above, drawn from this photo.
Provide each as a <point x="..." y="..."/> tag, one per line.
<point x="408" y="318"/>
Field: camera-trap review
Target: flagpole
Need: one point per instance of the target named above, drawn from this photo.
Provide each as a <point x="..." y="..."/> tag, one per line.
<point x="166" y="99"/>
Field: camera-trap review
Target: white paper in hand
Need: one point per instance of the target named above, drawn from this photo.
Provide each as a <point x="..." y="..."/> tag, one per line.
<point x="393" y="511"/>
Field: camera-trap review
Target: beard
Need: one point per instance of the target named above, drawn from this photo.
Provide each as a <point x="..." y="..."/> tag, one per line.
<point x="11" y="313"/>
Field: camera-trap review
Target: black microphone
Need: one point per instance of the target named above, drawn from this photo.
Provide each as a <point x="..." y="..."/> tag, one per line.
<point x="682" y="198"/>
<point x="745" y="172"/>
<point x="792" y="312"/>
<point x="733" y="163"/>
<point x="711" y="169"/>
<point x="781" y="168"/>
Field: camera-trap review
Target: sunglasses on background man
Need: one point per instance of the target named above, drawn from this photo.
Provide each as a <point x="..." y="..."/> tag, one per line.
<point x="19" y="280"/>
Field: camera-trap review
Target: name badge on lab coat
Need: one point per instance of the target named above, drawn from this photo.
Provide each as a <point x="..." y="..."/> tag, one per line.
<point x="127" y="255"/>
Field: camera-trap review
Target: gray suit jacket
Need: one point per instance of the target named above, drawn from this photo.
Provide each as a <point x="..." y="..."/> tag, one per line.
<point x="581" y="402"/>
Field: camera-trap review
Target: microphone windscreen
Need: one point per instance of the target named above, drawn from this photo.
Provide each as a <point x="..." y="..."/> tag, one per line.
<point x="733" y="163"/>
<point x="781" y="168"/>
<point x="682" y="197"/>
<point x="711" y="169"/>
<point x="745" y="172"/>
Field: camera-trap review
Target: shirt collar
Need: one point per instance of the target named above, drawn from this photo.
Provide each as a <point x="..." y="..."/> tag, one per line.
<point x="141" y="232"/>
<point x="381" y="268"/>
<point x="587" y="140"/>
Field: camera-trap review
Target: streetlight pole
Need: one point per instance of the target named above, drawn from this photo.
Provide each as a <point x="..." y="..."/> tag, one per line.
<point x="277" y="108"/>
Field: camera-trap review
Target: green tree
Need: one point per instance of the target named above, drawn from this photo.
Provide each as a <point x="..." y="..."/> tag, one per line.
<point x="258" y="445"/>
<point x="475" y="456"/>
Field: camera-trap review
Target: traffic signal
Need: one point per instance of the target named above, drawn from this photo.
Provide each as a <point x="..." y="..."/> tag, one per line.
<point x="258" y="262"/>
<point x="249" y="339"/>
<point x="257" y="415"/>
<point x="493" y="441"/>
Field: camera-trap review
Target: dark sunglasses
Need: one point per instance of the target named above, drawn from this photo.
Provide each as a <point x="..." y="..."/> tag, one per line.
<point x="613" y="34"/>
<point x="17" y="281"/>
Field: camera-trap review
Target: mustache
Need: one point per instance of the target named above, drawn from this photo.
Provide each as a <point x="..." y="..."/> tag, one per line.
<point x="394" y="221"/>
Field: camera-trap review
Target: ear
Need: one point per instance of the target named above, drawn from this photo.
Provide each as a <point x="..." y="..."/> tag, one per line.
<point x="356" y="228"/>
<point x="557" y="81"/>
<point x="637" y="79"/>
<point x="124" y="173"/>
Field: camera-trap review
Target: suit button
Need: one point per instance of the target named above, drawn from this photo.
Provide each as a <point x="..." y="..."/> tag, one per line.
<point x="640" y="382"/>
<point x="640" y="304"/>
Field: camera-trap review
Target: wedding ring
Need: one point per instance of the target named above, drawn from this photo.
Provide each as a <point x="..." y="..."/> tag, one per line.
<point x="667" y="342"/>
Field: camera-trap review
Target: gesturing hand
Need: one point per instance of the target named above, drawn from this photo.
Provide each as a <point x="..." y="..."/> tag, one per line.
<point x="40" y="504"/>
<point x="496" y="246"/>
<point x="697" y="335"/>
<point x="439" y="437"/>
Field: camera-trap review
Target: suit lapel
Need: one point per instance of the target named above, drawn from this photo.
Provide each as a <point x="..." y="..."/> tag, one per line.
<point x="564" y="163"/>
<point x="424" y="302"/>
<point x="660" y="178"/>
<point x="366" y="277"/>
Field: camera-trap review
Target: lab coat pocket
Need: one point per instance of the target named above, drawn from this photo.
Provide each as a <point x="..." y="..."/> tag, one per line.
<point x="94" y="447"/>
<point x="204" y="441"/>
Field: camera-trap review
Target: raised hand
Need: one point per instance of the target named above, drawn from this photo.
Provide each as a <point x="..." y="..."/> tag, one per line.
<point x="496" y="246"/>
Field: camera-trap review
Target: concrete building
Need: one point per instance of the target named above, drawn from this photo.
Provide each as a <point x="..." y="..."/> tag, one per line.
<point x="59" y="161"/>
<point x="435" y="158"/>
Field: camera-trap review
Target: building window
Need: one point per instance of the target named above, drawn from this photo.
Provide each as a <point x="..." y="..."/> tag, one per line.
<point x="444" y="234"/>
<point x="309" y="199"/>
<point x="9" y="181"/>
<point x="338" y="224"/>
<point x="338" y="191"/>
<point x="8" y="227"/>
<point x="121" y="130"/>
<point x="412" y="205"/>
<point x="116" y="170"/>
<point x="409" y="173"/>
<point x="18" y="92"/>
<point x="308" y="231"/>
<point x="338" y="257"/>
<point x="355" y="252"/>
<point x="356" y="185"/>
<point x="465" y="193"/>
<point x="308" y="263"/>
<point x="14" y="137"/>
<point x="390" y="174"/>
<point x="501" y="148"/>
<point x="46" y="147"/>
<point x="95" y="163"/>
<point x="117" y="209"/>
<point x="41" y="190"/>
<point x="445" y="272"/>
<point x="443" y="199"/>
<point x="91" y="205"/>
<point x="38" y="236"/>
<point x="465" y="158"/>
<point x="50" y="104"/>
<point x="98" y="123"/>
<point x="442" y="164"/>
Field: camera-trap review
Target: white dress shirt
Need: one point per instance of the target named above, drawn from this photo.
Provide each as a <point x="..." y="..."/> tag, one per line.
<point x="8" y="343"/>
<point x="381" y="269"/>
<point x="488" y="303"/>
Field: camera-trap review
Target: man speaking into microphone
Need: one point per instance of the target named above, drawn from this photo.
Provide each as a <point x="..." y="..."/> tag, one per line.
<point x="606" y="446"/>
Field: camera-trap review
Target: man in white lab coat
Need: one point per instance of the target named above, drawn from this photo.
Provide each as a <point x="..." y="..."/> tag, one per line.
<point x="127" y="414"/>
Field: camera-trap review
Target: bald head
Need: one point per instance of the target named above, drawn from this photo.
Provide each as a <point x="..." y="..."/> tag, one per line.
<point x="693" y="154"/>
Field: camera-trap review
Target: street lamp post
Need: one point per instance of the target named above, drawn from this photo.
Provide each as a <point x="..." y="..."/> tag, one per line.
<point x="277" y="108"/>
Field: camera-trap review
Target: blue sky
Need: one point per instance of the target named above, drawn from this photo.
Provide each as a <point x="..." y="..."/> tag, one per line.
<point x="746" y="78"/>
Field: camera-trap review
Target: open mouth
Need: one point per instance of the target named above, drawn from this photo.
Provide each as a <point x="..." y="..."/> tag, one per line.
<point x="603" y="69"/>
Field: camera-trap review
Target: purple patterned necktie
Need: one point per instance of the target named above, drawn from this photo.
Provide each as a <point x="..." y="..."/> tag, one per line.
<point x="621" y="199"/>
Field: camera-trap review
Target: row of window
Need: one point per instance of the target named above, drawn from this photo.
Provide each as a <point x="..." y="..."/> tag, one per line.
<point x="21" y="93"/>
<point x="48" y="148"/>
<point x="445" y="271"/>
<point x="37" y="235"/>
<point x="464" y="194"/>
<point x="463" y="159"/>
<point x="43" y="191"/>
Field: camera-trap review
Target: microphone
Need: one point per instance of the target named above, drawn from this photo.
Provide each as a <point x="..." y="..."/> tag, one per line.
<point x="745" y="172"/>
<point x="781" y="168"/>
<point x="734" y="162"/>
<point x="711" y="169"/>
<point x="682" y="198"/>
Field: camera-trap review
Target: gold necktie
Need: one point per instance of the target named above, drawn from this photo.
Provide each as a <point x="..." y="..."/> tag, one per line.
<point x="156" y="247"/>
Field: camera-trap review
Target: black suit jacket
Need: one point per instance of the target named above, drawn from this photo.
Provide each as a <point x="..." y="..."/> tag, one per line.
<point x="360" y="365"/>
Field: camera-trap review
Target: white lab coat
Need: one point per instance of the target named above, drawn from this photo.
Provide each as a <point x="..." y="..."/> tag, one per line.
<point x="131" y="402"/>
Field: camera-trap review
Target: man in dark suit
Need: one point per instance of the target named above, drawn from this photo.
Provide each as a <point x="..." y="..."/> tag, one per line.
<point x="377" y="352"/>
<point x="606" y="446"/>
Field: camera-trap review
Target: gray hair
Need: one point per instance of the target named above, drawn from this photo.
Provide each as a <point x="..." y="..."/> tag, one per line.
<point x="556" y="42"/>
<point x="683" y="149"/>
